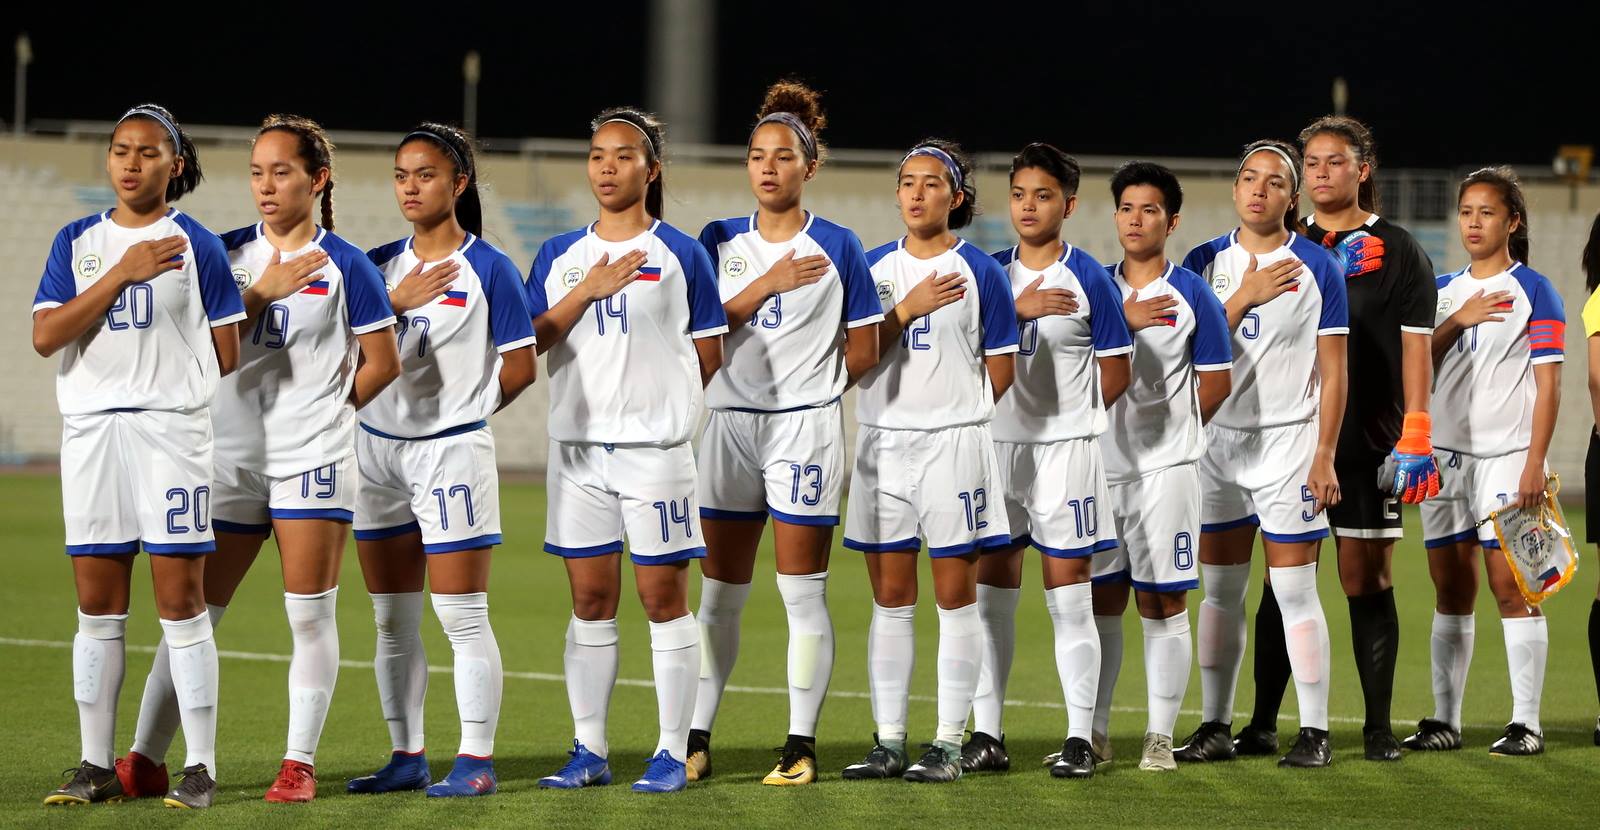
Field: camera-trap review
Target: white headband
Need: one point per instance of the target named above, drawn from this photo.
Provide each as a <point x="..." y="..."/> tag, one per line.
<point x="1294" y="171"/>
<point x="647" y="141"/>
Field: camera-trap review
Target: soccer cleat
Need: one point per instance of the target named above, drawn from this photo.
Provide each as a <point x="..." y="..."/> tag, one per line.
<point x="583" y="769"/>
<point x="1433" y="736"/>
<point x="1211" y="742"/>
<point x="470" y="776"/>
<point x="1518" y="740"/>
<point x="1253" y="740"/>
<point x="985" y="753"/>
<point x="1311" y="749"/>
<point x="195" y="789"/>
<point x="1381" y="745"/>
<point x="1100" y="745"/>
<point x="141" y="777"/>
<point x="698" y="764"/>
<point x="884" y="761"/>
<point x="664" y="774"/>
<point x="405" y="771"/>
<point x="797" y="765"/>
<point x="1157" y="755"/>
<point x="1075" y="760"/>
<point x="941" y="764"/>
<point x="89" y="784"/>
<point x="296" y="784"/>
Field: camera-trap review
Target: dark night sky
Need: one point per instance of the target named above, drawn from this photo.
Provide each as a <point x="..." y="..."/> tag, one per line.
<point x="1468" y="86"/>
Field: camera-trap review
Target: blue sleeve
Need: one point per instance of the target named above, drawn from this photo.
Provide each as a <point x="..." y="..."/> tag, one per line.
<point x="706" y="317"/>
<point x="997" y="311"/>
<point x="366" y="299"/>
<point x="1198" y="259"/>
<point x="1547" y="324"/>
<point x="510" y="324"/>
<point x="1212" y="348"/>
<point x="219" y="294"/>
<point x="538" y="301"/>
<point x="861" y="303"/>
<point x="1108" y="328"/>
<point x="56" y="286"/>
<point x="709" y="240"/>
<point x="1335" y="309"/>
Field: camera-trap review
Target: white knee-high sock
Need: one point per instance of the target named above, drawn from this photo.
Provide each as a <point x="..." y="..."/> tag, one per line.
<point x="805" y="599"/>
<point x="997" y="607"/>
<point x="1527" y="646"/>
<point x="1450" y="650"/>
<point x="721" y="606"/>
<point x="313" y="669"/>
<point x="1222" y="638"/>
<point x="675" y="654"/>
<point x="192" y="653"/>
<point x="1167" y="646"/>
<point x="1109" y="631"/>
<point x="479" y="677"/>
<point x="891" y="655"/>
<point x="1305" y="632"/>
<point x="590" y="664"/>
<point x="158" y="709"/>
<point x="99" y="660"/>
<point x="402" y="667"/>
<point x="960" y="662"/>
<point x="1077" y="653"/>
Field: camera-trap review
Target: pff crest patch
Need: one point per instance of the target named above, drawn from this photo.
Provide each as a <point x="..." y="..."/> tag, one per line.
<point x="1220" y="283"/>
<point x="735" y="266"/>
<point x="88" y="266"/>
<point x="885" y="291"/>
<point x="572" y="277"/>
<point x="242" y="278"/>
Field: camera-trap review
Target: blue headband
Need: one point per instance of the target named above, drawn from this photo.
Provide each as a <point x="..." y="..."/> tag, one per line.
<point x="808" y="142"/>
<point x="146" y="112"/>
<point x="944" y="158"/>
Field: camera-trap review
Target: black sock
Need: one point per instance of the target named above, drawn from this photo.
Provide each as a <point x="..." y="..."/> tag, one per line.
<point x="1272" y="663"/>
<point x="1594" y="641"/>
<point x="1375" y="633"/>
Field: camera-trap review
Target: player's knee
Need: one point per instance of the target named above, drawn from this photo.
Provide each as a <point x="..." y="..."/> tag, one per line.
<point x="180" y="607"/>
<point x="663" y="607"/>
<point x="594" y="603"/>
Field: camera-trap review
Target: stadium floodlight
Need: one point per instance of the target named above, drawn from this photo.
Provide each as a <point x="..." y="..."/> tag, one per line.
<point x="471" y="71"/>
<point x="1341" y="95"/>
<point x="24" y="57"/>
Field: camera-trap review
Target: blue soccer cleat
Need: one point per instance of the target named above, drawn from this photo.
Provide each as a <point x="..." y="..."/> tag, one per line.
<point x="405" y="771"/>
<point x="584" y="769"/>
<point x="665" y="774"/>
<point x="470" y="776"/>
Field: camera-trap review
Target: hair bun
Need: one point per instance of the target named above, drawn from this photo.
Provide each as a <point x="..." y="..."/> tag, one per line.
<point x="795" y="97"/>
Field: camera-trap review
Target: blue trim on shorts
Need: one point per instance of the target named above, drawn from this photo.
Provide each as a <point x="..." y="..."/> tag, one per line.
<point x="957" y="550"/>
<point x="668" y="558"/>
<point x="1489" y="544"/>
<point x="345" y="516"/>
<point x="179" y="548"/>
<point x="1308" y="536"/>
<point x="1165" y="587"/>
<point x="374" y="534"/>
<point x="994" y="543"/>
<point x="584" y="553"/>
<point x="241" y="528"/>
<point x="801" y="408"/>
<point x="1464" y="536"/>
<point x="104" y="549"/>
<point x="793" y="519"/>
<point x="912" y="544"/>
<point x="1076" y="553"/>
<point x="731" y="515"/>
<point x="1252" y="520"/>
<point x="487" y="540"/>
<point x="443" y="433"/>
<point x="1111" y="578"/>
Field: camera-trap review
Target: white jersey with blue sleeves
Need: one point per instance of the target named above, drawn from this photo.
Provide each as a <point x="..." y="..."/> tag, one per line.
<point x="1484" y="390"/>
<point x="935" y="376"/>
<point x="1156" y="423"/>
<point x="791" y="353"/>
<point x="1275" y="347"/>
<point x="287" y="409"/>
<point x="450" y="348"/>
<point x="628" y="372"/>
<point x="153" y="350"/>
<point x="1056" y="395"/>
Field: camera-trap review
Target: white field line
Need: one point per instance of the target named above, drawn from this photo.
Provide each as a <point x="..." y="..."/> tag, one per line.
<point x="547" y="677"/>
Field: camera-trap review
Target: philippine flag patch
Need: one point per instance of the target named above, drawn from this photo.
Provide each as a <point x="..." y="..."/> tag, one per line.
<point x="650" y="273"/>
<point x="455" y="298"/>
<point x="320" y="288"/>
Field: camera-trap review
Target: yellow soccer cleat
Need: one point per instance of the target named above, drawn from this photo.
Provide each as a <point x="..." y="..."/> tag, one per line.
<point x="698" y="765"/>
<point x="797" y="766"/>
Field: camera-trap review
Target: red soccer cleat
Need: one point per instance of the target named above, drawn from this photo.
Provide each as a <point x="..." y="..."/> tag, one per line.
<point x="297" y="783"/>
<point x="141" y="777"/>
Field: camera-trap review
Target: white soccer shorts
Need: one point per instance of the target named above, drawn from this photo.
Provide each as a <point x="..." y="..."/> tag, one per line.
<point x="1471" y="487"/>
<point x="1056" y="497"/>
<point x="600" y="492"/>
<point x="244" y="501"/>
<point x="940" y="486"/>
<point x="1258" y="477"/>
<point x="1158" y="525"/>
<point x="137" y="476"/>
<point x="445" y="486"/>
<point x="789" y="464"/>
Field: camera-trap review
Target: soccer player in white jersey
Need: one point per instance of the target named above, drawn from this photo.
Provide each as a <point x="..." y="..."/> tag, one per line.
<point x="1181" y="374"/>
<point x="428" y="507"/>
<point x="925" y="468"/>
<point x="139" y="301"/>
<point x="802" y="317"/>
<point x="627" y="309"/>
<point x="286" y="436"/>
<point x="1498" y="345"/>
<point x="1072" y="362"/>
<point x="1270" y="447"/>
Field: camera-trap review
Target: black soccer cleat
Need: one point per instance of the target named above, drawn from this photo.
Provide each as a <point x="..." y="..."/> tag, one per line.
<point x="1433" y="736"/>
<point x="195" y="791"/>
<point x="1211" y="742"/>
<point x="882" y="762"/>
<point x="89" y="784"/>
<point x="985" y="753"/>
<point x="1380" y="744"/>
<point x="1518" y="740"/>
<point x="936" y="766"/>
<point x="1311" y="749"/>
<point x="698" y="764"/>
<point x="1253" y="740"/>
<point x="1076" y="760"/>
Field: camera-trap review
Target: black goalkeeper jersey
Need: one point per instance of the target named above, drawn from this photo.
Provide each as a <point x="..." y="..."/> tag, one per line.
<point x="1389" y="282"/>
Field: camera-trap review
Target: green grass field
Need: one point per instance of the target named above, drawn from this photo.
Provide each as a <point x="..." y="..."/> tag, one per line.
<point x="530" y="607"/>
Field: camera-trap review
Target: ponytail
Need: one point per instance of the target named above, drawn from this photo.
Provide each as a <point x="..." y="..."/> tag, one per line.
<point x="315" y="149"/>
<point x="655" y="194"/>
<point x="457" y="146"/>
<point x="183" y="148"/>
<point x="1504" y="179"/>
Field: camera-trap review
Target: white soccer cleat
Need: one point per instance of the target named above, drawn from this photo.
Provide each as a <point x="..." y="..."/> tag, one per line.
<point x="1157" y="754"/>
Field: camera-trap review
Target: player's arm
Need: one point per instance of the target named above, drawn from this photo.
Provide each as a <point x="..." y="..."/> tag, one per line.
<point x="709" y="351"/>
<point x="1002" y="369"/>
<point x="279" y="280"/>
<point x="1546" y="404"/>
<point x="785" y="275"/>
<point x="378" y="366"/>
<point x="934" y="292"/>
<point x="1479" y="308"/>
<point x="1416" y="370"/>
<point x="518" y="368"/>
<point x="225" y="342"/>
<point x="1116" y="372"/>
<point x="55" y="327"/>
<point x="1213" y="388"/>
<point x="1331" y="369"/>
<point x="1260" y="286"/>
<point x="860" y="351"/>
<point x="604" y="279"/>
<point x="1594" y="374"/>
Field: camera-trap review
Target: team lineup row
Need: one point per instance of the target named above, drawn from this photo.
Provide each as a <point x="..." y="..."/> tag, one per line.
<point x="1127" y="422"/>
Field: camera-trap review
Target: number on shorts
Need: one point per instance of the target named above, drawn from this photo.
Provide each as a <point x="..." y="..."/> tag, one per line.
<point x="1183" y="551"/>
<point x="615" y="307"/>
<point x="1250" y="329"/>
<point x="771" y="316"/>
<point x="274" y="323"/>
<point x="1030" y="338"/>
<point x="974" y="503"/>
<point x="421" y="325"/>
<point x="814" y="473"/>
<point x="1309" y="513"/>
<point x="195" y="505"/>
<point x="675" y="512"/>
<point x="325" y="479"/>
<point x="139" y="300"/>
<point x="1085" y="516"/>
<point x="444" y="497"/>
<point x="911" y="337"/>
<point x="1454" y="461"/>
